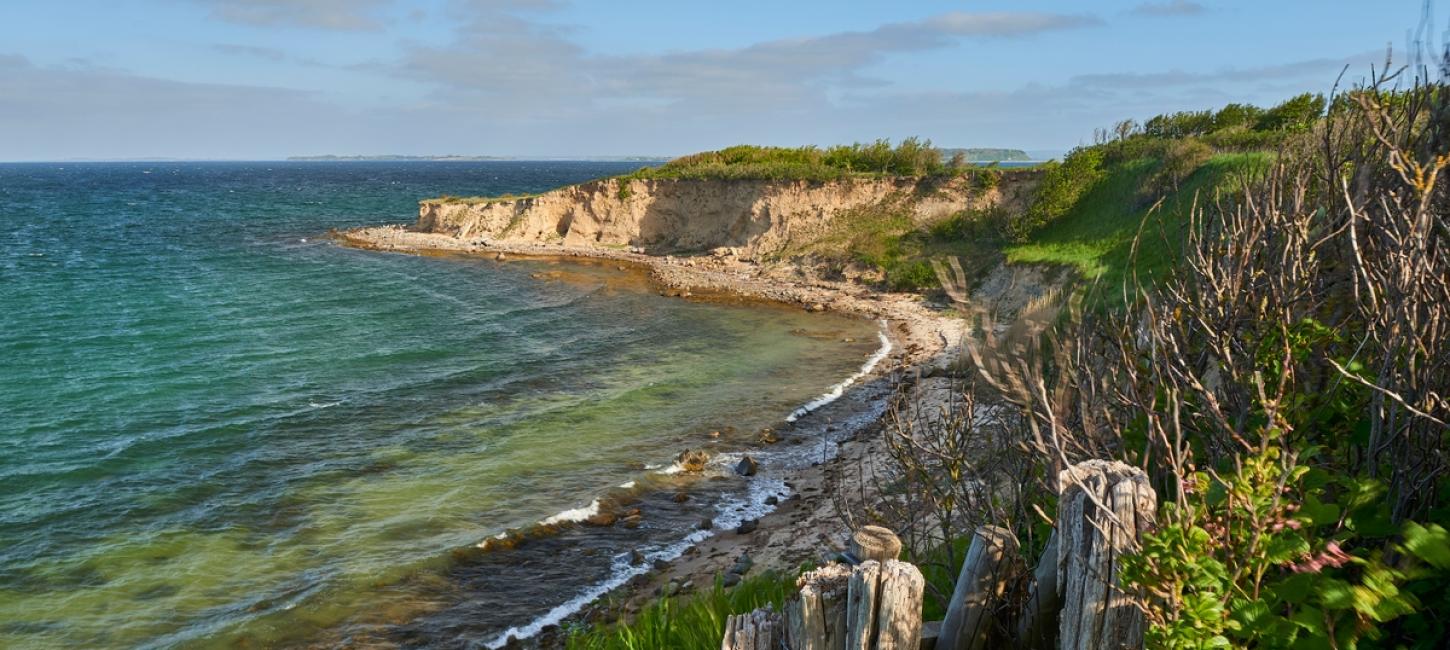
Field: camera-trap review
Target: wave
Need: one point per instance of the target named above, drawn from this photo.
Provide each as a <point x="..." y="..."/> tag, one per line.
<point x="730" y="513"/>
<point x="574" y="515"/>
<point x="839" y="389"/>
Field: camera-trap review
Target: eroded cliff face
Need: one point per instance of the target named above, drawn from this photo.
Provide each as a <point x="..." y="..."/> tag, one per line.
<point x="756" y="219"/>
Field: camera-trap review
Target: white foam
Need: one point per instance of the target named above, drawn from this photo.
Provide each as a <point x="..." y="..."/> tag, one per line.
<point x="576" y="514"/>
<point x="627" y="485"/>
<point x="730" y="514"/>
<point x="674" y="468"/>
<point x="839" y="389"/>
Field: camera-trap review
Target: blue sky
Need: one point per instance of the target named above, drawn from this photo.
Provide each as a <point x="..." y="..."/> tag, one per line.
<point x="265" y="79"/>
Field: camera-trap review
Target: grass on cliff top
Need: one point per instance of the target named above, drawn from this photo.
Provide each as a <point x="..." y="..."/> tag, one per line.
<point x="1095" y="237"/>
<point x="447" y="199"/>
<point x="909" y="158"/>
<point x="880" y="159"/>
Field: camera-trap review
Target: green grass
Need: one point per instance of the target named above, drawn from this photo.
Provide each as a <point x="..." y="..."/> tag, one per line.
<point x="475" y="200"/>
<point x="910" y="157"/>
<point x="885" y="236"/>
<point x="1095" y="236"/>
<point x="688" y="622"/>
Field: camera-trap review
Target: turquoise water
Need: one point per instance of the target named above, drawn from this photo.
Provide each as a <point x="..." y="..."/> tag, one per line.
<point x="217" y="428"/>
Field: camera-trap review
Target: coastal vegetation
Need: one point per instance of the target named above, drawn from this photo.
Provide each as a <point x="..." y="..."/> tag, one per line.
<point x="910" y="157"/>
<point x="447" y="199"/>
<point x="687" y="620"/>
<point x="1261" y="328"/>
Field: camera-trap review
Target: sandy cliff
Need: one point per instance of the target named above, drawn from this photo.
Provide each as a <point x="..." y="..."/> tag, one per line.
<point x="759" y="219"/>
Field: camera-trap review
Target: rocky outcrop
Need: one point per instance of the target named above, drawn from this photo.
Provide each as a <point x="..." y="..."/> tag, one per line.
<point x="751" y="219"/>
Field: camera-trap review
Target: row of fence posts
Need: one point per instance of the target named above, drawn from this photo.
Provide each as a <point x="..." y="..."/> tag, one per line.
<point x="1075" y="602"/>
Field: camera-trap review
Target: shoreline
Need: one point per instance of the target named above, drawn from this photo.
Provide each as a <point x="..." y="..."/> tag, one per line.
<point x="800" y="523"/>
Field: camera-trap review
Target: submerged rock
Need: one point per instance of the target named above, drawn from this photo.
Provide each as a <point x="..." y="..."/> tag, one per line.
<point x="747" y="466"/>
<point x="693" y="460"/>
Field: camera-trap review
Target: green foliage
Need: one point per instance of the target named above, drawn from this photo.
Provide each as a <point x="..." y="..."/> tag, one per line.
<point x="626" y="190"/>
<point x="1184" y="124"/>
<point x="1236" y="116"/>
<point x="687" y="622"/>
<point x="987" y="178"/>
<point x="469" y="200"/>
<point x="910" y="157"/>
<point x="1257" y="558"/>
<point x="1297" y="113"/>
<point x="1095" y="236"/>
<point x="1180" y="160"/>
<point x="1062" y="186"/>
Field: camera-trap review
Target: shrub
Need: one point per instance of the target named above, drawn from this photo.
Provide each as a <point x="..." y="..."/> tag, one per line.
<point x="1182" y="158"/>
<point x="911" y="157"/>
<point x="987" y="178"/>
<point x="1297" y="113"/>
<point x="1062" y="185"/>
<point x="1236" y="116"/>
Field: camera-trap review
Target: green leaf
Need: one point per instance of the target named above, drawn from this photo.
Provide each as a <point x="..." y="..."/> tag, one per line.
<point x="1429" y="544"/>
<point x="1319" y="514"/>
<point x="1336" y="594"/>
<point x="1296" y="588"/>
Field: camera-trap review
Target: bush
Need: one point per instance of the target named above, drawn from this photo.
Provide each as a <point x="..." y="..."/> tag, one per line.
<point x="987" y="178"/>
<point x="1297" y="113"/>
<point x="911" y="157"/>
<point x="1061" y="187"/>
<point x="1182" y="158"/>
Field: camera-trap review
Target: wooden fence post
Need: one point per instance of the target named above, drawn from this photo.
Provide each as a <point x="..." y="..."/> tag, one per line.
<point x="816" y="618"/>
<point x="989" y="563"/>
<point x="1037" y="628"/>
<point x="757" y="630"/>
<point x="1102" y="509"/>
<point x="875" y="543"/>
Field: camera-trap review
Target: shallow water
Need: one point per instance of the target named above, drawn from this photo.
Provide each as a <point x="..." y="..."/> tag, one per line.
<point x="221" y="429"/>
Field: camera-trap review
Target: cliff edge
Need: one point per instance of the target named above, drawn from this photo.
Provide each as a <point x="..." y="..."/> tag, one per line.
<point x="755" y="219"/>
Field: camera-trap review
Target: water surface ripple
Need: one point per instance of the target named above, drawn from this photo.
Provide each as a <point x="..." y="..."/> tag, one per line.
<point x="217" y="428"/>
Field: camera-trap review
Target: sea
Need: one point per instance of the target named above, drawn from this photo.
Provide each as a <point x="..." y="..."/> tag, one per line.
<point x="220" y="428"/>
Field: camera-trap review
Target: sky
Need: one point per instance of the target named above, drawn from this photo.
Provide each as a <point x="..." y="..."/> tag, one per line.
<point x="267" y="79"/>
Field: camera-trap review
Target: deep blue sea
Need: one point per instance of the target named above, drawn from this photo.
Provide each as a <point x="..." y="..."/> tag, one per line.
<point x="220" y="429"/>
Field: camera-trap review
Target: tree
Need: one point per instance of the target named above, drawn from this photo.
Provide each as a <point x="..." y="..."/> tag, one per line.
<point x="1297" y="113"/>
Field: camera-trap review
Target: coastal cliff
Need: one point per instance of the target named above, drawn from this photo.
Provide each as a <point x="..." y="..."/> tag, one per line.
<point x="754" y="219"/>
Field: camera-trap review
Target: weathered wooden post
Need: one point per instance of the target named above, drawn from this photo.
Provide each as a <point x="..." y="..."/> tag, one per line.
<point x="1037" y="628"/>
<point x="988" y="566"/>
<point x="1102" y="509"/>
<point x="816" y="618"/>
<point x="875" y="543"/>
<point x="757" y="630"/>
<point x="883" y="606"/>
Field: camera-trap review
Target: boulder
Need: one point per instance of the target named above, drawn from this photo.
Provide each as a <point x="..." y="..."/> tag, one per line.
<point x="693" y="460"/>
<point x="747" y="466"/>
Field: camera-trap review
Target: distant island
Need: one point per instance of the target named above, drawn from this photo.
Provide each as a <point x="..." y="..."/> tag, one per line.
<point x="988" y="155"/>
<point x="457" y="158"/>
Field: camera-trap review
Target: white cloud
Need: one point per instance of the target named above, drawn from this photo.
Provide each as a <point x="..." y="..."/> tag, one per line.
<point x="1170" y="8"/>
<point x="347" y="15"/>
